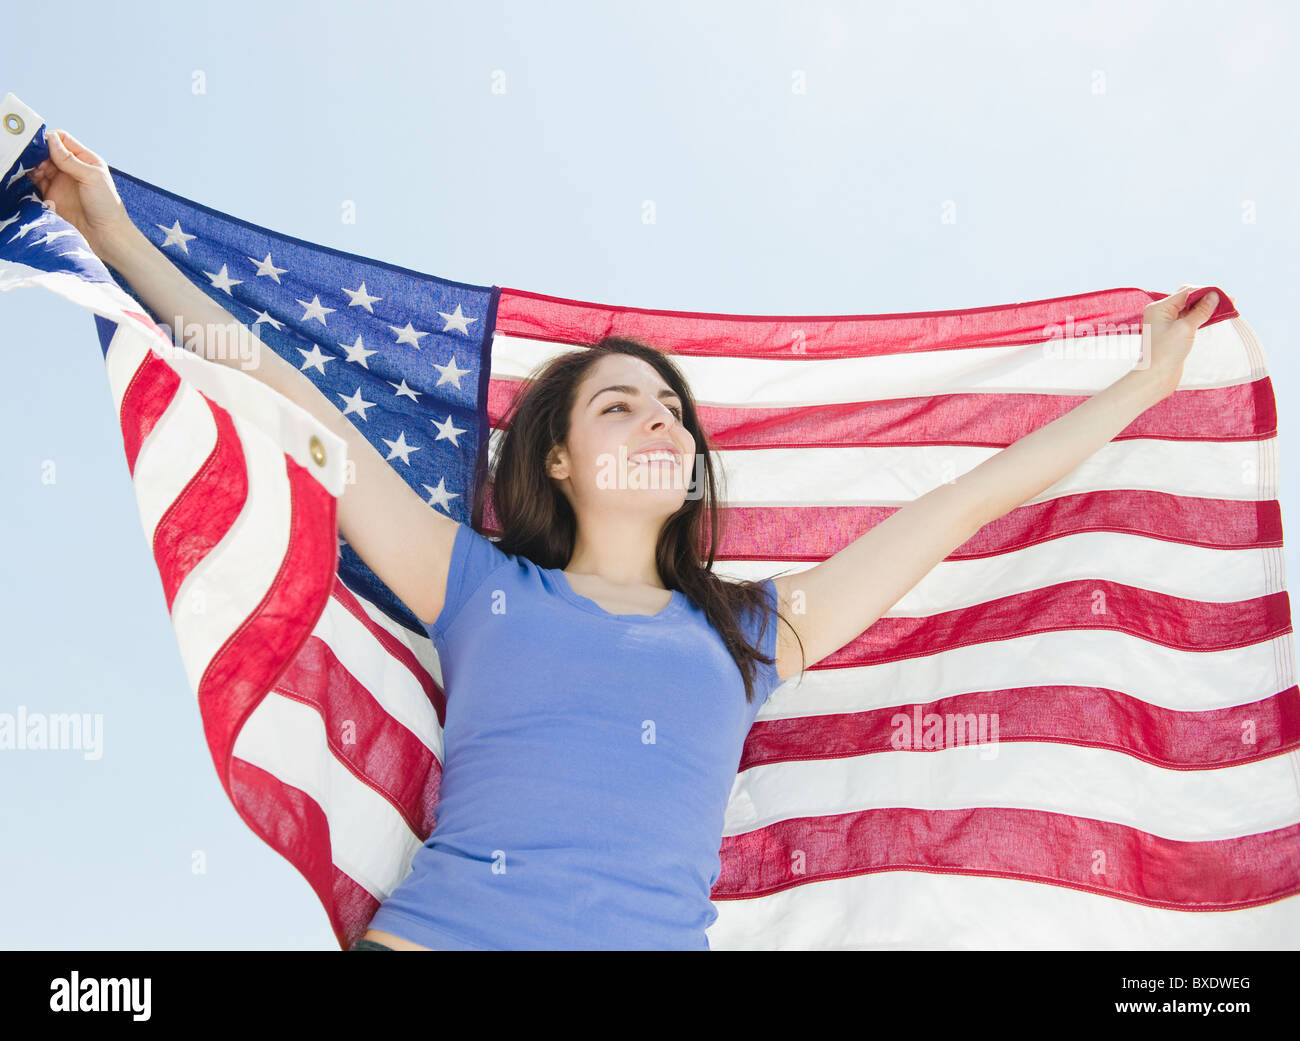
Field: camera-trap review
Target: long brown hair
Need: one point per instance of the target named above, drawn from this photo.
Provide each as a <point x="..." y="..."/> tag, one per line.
<point x="537" y="521"/>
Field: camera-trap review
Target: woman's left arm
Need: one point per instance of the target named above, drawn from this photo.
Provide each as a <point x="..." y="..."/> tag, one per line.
<point x="838" y="599"/>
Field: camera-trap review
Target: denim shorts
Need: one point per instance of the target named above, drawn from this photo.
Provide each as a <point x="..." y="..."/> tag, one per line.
<point x="368" y="945"/>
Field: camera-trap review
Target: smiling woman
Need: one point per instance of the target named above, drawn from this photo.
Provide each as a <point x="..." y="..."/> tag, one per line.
<point x="627" y="536"/>
<point x="596" y="672"/>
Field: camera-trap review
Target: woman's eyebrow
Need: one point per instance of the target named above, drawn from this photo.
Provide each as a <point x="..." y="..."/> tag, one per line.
<point x="623" y="388"/>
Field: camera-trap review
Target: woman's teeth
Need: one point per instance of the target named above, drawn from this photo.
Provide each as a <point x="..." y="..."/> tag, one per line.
<point x="655" y="457"/>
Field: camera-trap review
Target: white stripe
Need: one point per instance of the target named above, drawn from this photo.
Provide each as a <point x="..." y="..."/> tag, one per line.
<point x="1186" y="681"/>
<point x="223" y="589"/>
<point x="906" y="910"/>
<point x="127" y="349"/>
<point x="1187" y="805"/>
<point x="1171" y="568"/>
<point x="170" y="456"/>
<point x="896" y="475"/>
<point x="369" y="840"/>
<point x="388" y="680"/>
<point x="1218" y="359"/>
<point x="419" y="643"/>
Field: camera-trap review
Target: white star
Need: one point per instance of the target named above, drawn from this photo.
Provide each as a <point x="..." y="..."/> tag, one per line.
<point x="404" y="391"/>
<point x="314" y="359"/>
<point x="357" y="352"/>
<point x="457" y="321"/>
<point x="450" y="373"/>
<point x="5" y="223"/>
<point x="176" y="237"/>
<point x="21" y="171"/>
<point x="356" y="403"/>
<point x="265" y="267"/>
<point x="447" y="430"/>
<point x="400" y="447"/>
<point x="315" y="309"/>
<point x="408" y="335"/>
<point x="264" y="317"/>
<point x="441" y="495"/>
<point x="80" y="254"/>
<point x="360" y="298"/>
<point x="44" y="218"/>
<point x="50" y="236"/>
<point x="221" y="280"/>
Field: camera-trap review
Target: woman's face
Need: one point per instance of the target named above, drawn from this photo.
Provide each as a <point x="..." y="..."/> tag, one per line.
<point x="604" y="466"/>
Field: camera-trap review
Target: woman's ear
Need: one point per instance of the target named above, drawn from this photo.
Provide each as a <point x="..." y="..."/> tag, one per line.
<point x="557" y="464"/>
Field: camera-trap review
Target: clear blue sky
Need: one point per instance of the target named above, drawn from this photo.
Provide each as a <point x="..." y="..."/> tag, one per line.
<point x="767" y="202"/>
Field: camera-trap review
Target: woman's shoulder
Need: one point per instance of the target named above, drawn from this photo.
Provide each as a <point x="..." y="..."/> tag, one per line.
<point x="485" y="548"/>
<point x="474" y="557"/>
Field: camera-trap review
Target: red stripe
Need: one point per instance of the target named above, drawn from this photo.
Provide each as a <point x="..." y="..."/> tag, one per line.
<point x="814" y="533"/>
<point x="1240" y="412"/>
<point x="205" y="510"/>
<point x="1093" y="856"/>
<point x="380" y="751"/>
<point x="351" y="910"/>
<point x="699" y="333"/>
<point x="287" y="819"/>
<point x="1090" y="717"/>
<point x="293" y="824"/>
<point x="1187" y="625"/>
<point x="248" y="663"/>
<point x="148" y="395"/>
<point x="398" y="650"/>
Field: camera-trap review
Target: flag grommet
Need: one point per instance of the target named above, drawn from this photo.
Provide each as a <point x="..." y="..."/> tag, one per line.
<point x="317" y="450"/>
<point x="14" y="123"/>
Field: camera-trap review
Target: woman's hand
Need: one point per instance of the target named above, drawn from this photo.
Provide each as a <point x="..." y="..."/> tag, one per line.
<point x="1168" y="329"/>
<point x="78" y="184"/>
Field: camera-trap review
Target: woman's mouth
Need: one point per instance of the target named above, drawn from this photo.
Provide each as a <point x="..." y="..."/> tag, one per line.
<point x="653" y="457"/>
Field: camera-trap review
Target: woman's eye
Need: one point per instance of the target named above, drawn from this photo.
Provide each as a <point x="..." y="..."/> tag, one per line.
<point x="672" y="408"/>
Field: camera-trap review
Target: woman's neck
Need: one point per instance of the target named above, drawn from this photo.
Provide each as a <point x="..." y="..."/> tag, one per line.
<point x="620" y="553"/>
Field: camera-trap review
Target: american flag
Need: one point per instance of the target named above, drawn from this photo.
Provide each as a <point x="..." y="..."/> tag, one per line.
<point x="1120" y="646"/>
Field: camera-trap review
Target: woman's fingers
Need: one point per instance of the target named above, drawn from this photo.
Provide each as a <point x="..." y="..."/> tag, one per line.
<point x="1175" y="303"/>
<point x="1204" y="308"/>
<point x="65" y="160"/>
<point x="77" y="148"/>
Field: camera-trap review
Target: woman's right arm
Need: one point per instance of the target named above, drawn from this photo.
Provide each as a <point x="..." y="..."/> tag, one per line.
<point x="401" y="538"/>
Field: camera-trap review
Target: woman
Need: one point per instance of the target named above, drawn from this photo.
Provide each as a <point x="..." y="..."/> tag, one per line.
<point x="582" y="800"/>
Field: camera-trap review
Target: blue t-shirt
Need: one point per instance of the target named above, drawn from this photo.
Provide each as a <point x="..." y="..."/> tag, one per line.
<point x="589" y="759"/>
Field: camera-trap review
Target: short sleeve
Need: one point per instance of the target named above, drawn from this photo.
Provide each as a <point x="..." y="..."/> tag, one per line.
<point x="765" y="676"/>
<point x="473" y="558"/>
